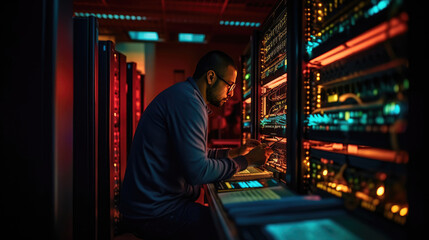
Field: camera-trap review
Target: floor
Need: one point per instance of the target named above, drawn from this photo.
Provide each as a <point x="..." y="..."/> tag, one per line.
<point x="126" y="236"/>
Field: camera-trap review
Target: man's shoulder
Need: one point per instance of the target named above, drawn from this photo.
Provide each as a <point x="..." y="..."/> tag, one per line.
<point x="180" y="91"/>
<point x="181" y="87"/>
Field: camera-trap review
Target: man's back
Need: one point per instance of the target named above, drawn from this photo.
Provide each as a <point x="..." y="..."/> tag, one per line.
<point x="168" y="157"/>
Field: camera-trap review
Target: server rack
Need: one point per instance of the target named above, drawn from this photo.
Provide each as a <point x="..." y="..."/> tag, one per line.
<point x="272" y="88"/>
<point x="123" y="88"/>
<point x="333" y="100"/>
<point x="246" y="94"/>
<point x="85" y="127"/>
<point x="355" y="105"/>
<point x="254" y="76"/>
<point x="134" y="100"/>
<point x="36" y="123"/>
<point x="112" y="136"/>
<point x="142" y="80"/>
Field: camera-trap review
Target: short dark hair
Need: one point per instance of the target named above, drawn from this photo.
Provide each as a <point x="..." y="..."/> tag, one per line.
<point x="214" y="60"/>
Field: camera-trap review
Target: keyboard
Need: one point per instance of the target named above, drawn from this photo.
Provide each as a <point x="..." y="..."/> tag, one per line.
<point x="251" y="173"/>
<point x="250" y="170"/>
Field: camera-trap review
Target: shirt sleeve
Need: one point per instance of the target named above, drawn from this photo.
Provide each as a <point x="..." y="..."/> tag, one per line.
<point x="240" y="161"/>
<point x="217" y="152"/>
<point x="188" y="127"/>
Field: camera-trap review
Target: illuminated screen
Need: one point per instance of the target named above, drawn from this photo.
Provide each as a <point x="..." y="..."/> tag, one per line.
<point x="237" y="185"/>
<point x="321" y="229"/>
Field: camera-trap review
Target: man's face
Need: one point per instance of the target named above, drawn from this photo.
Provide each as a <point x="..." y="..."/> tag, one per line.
<point x="217" y="93"/>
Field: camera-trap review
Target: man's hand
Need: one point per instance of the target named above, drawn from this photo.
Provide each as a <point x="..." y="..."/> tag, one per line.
<point x="259" y="155"/>
<point x="249" y="145"/>
<point x="244" y="149"/>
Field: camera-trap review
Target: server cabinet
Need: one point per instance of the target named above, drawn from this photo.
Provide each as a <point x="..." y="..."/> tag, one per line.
<point x="249" y="61"/>
<point x="356" y="88"/>
<point x="342" y="112"/>
<point x="85" y="127"/>
<point x="134" y="100"/>
<point x="272" y="107"/>
<point x="246" y="116"/>
<point x="142" y="89"/>
<point x="36" y="124"/>
<point x="112" y="136"/>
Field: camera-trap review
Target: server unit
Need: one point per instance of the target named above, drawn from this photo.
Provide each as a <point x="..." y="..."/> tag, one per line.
<point x="85" y="127"/>
<point x="134" y="100"/>
<point x="112" y="136"/>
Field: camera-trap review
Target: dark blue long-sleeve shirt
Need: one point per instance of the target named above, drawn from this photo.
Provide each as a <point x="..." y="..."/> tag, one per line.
<point x="169" y="158"/>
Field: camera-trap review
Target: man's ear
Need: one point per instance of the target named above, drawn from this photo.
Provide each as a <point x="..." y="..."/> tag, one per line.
<point x="210" y="77"/>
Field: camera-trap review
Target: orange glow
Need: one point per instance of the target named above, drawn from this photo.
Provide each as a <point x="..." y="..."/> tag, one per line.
<point x="330" y="54"/>
<point x="380" y="191"/>
<point x="337" y="146"/>
<point x="281" y="79"/>
<point x="342" y="188"/>
<point x="362" y="196"/>
<point x="380" y="33"/>
<point x="364" y="151"/>
<point x="275" y="140"/>
<point x="352" y="148"/>
<point x="325" y="172"/>
<point x="404" y="211"/>
<point x="394" y="208"/>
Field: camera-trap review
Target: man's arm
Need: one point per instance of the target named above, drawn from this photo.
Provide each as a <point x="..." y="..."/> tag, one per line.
<point x="188" y="126"/>
<point x="218" y="152"/>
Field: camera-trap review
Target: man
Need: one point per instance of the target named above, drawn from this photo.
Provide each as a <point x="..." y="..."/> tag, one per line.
<point x="169" y="160"/>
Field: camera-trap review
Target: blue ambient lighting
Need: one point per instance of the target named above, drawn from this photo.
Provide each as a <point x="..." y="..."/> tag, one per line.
<point x="111" y="16"/>
<point x="143" y="36"/>
<point x="239" y="23"/>
<point x="192" y="37"/>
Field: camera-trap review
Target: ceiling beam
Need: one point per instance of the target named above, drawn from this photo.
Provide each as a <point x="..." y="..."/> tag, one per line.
<point x="225" y="3"/>
<point x="164" y="24"/>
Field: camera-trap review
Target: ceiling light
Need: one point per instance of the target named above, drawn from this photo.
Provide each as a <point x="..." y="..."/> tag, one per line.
<point x="239" y="23"/>
<point x="192" y="37"/>
<point x="143" y="36"/>
<point x="110" y="16"/>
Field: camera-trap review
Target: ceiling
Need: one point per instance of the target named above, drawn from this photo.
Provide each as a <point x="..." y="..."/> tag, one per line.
<point x="170" y="17"/>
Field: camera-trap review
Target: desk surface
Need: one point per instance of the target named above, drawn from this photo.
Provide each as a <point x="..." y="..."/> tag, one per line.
<point x="274" y="218"/>
<point x="226" y="228"/>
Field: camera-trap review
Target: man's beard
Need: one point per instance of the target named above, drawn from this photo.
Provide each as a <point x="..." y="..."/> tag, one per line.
<point x="212" y="98"/>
